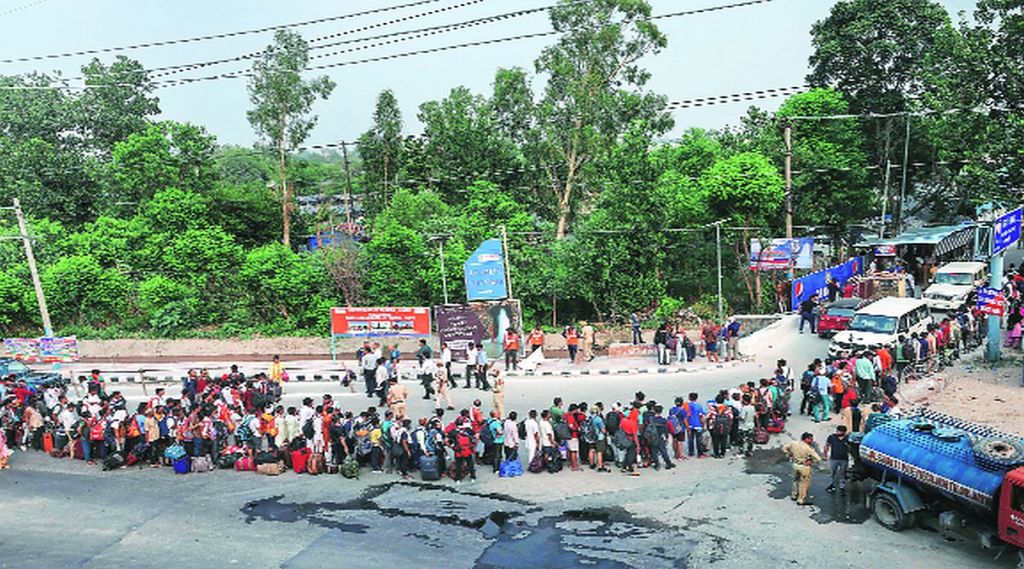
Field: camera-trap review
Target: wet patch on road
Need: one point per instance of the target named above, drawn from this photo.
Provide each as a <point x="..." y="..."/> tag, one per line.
<point x="517" y="533"/>
<point x="827" y="508"/>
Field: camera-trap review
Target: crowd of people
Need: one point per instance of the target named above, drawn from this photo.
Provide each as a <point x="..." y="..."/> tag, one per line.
<point x="236" y="421"/>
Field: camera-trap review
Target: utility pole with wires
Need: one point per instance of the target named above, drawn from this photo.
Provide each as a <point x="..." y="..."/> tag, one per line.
<point x="788" y="135"/>
<point x="348" y="187"/>
<point x="44" y="312"/>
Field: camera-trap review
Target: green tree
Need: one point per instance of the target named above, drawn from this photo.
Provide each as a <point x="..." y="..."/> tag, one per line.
<point x="593" y="91"/>
<point x="747" y="189"/>
<point x="166" y="154"/>
<point x="281" y="286"/>
<point x="282" y="101"/>
<point x="116" y="103"/>
<point x="246" y="211"/>
<point x="81" y="292"/>
<point x="381" y="150"/>
<point x="169" y="307"/>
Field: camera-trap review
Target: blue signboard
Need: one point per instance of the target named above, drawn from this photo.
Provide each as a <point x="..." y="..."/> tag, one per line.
<point x="817" y="283"/>
<point x="1006" y="231"/>
<point x="485" y="272"/>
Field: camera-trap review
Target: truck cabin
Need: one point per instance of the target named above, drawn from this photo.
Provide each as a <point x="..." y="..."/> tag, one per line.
<point x="1011" y="508"/>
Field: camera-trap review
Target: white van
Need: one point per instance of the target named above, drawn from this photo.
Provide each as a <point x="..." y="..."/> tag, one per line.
<point x="880" y="324"/>
<point x="954" y="284"/>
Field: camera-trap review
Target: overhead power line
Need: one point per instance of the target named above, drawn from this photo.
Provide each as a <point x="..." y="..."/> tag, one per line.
<point x="173" y="69"/>
<point x="22" y="7"/>
<point x="214" y="36"/>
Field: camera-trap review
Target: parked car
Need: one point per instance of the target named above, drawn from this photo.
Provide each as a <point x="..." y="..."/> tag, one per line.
<point x="955" y="285"/>
<point x="836" y="316"/>
<point x="880" y="324"/>
<point x="20" y="371"/>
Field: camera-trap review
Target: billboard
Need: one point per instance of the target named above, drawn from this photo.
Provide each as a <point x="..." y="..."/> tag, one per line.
<point x="477" y="322"/>
<point x="484" y="271"/>
<point x="778" y="252"/>
<point x="386" y="321"/>
<point x="885" y="251"/>
<point x="42" y="350"/>
<point x="805" y="286"/>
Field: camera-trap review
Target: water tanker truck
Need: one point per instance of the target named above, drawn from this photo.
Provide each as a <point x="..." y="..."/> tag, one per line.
<point x="968" y="476"/>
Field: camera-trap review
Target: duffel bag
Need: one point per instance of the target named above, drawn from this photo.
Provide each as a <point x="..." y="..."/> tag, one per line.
<point x="245" y="464"/>
<point x="349" y="467"/>
<point x="182" y="465"/>
<point x="271" y="468"/>
<point x="202" y="464"/>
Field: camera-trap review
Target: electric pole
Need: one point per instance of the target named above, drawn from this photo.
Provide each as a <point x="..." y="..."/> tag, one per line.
<point x="508" y="272"/>
<point x="718" y="244"/>
<point x="348" y="187"/>
<point x="885" y="198"/>
<point x="788" y="135"/>
<point x="903" y="182"/>
<point x="44" y="313"/>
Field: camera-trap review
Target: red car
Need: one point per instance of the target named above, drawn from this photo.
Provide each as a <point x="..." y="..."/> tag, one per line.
<point x="836" y="316"/>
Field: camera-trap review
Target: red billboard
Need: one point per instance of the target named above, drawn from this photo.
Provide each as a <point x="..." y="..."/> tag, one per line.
<point x="384" y="321"/>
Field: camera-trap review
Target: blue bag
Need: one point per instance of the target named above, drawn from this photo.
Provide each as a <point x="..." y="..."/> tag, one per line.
<point x="510" y="469"/>
<point x="174" y="452"/>
<point x="182" y="465"/>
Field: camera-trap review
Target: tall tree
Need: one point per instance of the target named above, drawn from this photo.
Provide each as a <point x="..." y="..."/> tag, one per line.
<point x="282" y="102"/>
<point x="593" y="91"/>
<point x="167" y="154"/>
<point x="381" y="151"/>
<point x="116" y="103"/>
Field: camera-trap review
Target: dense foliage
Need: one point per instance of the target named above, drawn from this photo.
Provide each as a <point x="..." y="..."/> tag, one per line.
<point x="145" y="227"/>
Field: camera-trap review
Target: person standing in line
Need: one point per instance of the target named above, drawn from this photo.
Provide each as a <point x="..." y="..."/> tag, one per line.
<point x="589" y="336"/>
<point x="600" y="434"/>
<point x="499" y="391"/>
<point x="471" y="353"/>
<point x="547" y="437"/>
<point x="661" y="344"/>
<point x="511" y="346"/>
<point x="634" y="324"/>
<point x="511" y="433"/>
<point x="533" y="441"/>
<point x="446" y="363"/>
<point x="746" y="419"/>
<point x="695" y="425"/>
<point x="808" y="313"/>
<point x="803" y="457"/>
<point x="838" y="453"/>
<point x="536" y="339"/>
<point x="572" y="341"/>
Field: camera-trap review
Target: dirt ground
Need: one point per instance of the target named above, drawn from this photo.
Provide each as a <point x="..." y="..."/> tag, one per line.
<point x="979" y="393"/>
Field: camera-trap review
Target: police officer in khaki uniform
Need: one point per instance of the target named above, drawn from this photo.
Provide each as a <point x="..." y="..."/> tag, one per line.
<point x="803" y="456"/>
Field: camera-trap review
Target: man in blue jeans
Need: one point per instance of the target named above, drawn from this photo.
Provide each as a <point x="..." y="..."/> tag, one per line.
<point x="807" y="313"/>
<point x="695" y="425"/>
<point x="634" y="323"/>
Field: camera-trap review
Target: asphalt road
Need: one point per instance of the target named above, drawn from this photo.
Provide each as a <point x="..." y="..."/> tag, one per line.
<point x="731" y="513"/>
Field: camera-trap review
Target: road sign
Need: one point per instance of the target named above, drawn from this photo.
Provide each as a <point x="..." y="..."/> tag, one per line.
<point x="991" y="301"/>
<point x="1006" y="231"/>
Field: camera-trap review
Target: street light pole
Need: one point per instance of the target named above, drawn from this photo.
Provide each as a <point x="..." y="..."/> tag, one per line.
<point x="718" y="246"/>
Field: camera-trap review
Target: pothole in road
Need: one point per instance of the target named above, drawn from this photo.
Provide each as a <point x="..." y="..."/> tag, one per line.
<point x="827" y="508"/>
<point x="602" y="538"/>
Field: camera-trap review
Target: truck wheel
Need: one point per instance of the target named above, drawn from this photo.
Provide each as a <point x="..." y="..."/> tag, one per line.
<point x="998" y="453"/>
<point x="888" y="513"/>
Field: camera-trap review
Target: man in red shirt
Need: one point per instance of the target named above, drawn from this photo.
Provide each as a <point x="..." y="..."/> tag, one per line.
<point x="630" y="425"/>
<point x="511" y="345"/>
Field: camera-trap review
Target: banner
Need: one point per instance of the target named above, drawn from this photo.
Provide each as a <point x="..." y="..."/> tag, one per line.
<point x="779" y="252"/>
<point x="991" y="301"/>
<point x="42" y="350"/>
<point x="817" y="283"/>
<point x="485" y="272"/>
<point x="477" y="322"/>
<point x="385" y="321"/>
<point x="885" y="251"/>
<point x="458" y="326"/>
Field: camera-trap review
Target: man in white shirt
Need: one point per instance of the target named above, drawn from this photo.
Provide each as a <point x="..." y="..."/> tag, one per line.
<point x="471" y="354"/>
<point x="511" y="436"/>
<point x="446" y="362"/>
<point x="369" y="365"/>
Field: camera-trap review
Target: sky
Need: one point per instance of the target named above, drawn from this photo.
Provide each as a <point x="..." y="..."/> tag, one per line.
<point x="748" y="48"/>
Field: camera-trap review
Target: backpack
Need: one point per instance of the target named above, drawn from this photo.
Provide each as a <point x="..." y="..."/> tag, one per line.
<point x="244" y="432"/>
<point x="349" y="467"/>
<point x="522" y="429"/>
<point x="562" y="432"/>
<point x="611" y="421"/>
<point x="651" y="434"/>
<point x="307" y="429"/>
<point x="673" y="424"/>
<point x="464" y="445"/>
<point x="133" y="428"/>
<point x="805" y="380"/>
<point x="588" y="431"/>
<point x="722" y="423"/>
<point x="487" y="434"/>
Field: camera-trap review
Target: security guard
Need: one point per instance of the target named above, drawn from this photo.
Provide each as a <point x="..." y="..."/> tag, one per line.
<point x="803" y="456"/>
